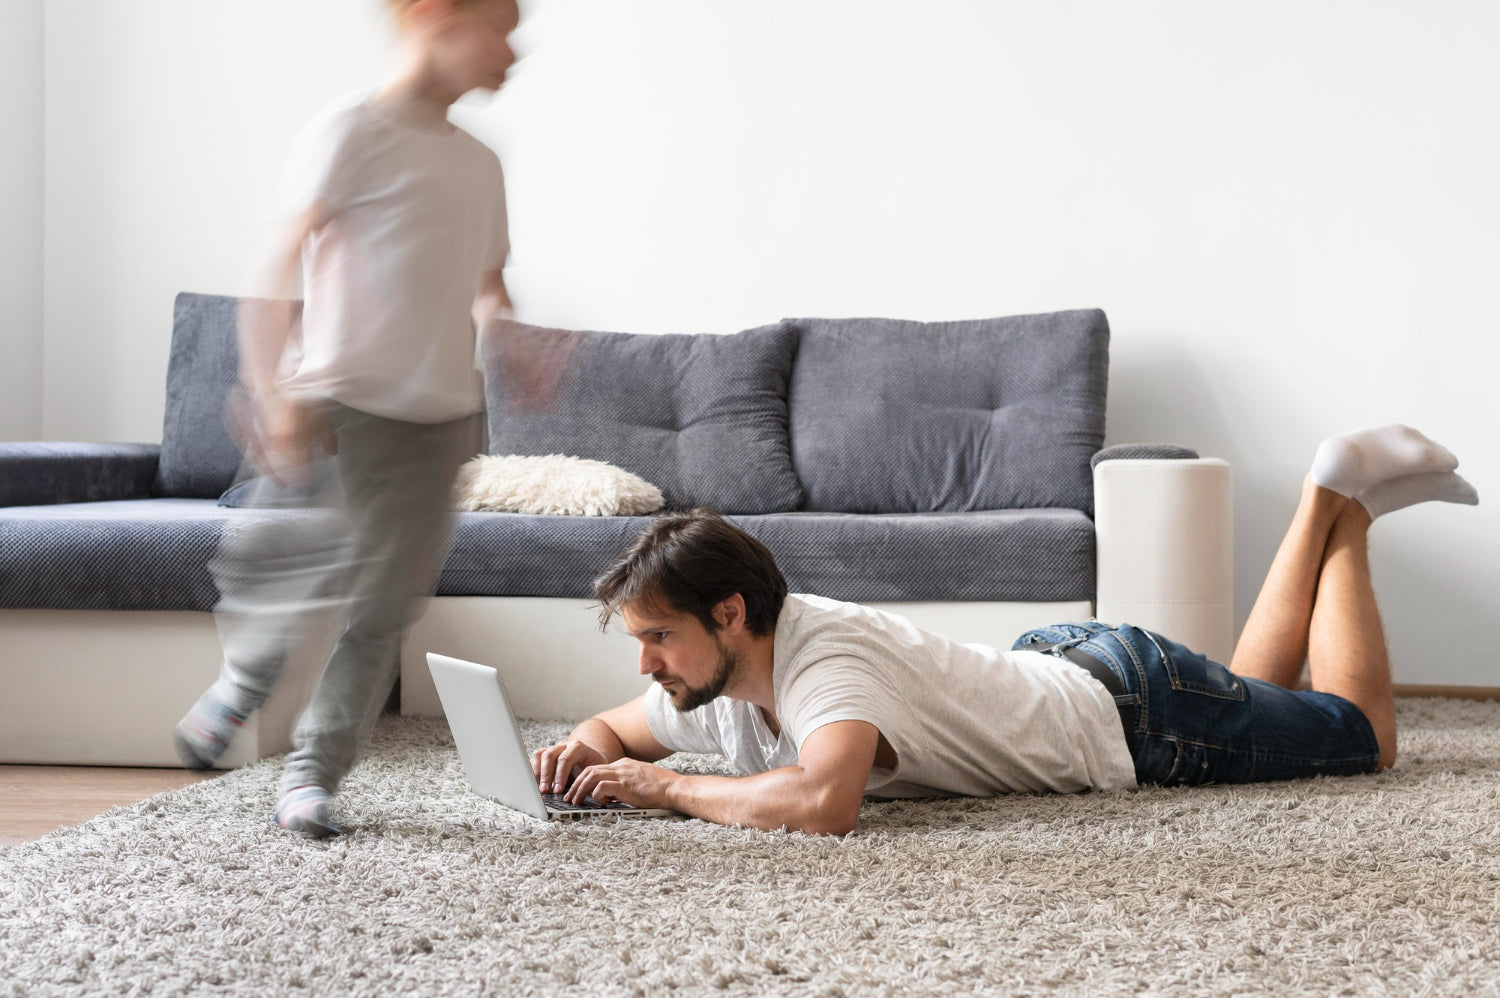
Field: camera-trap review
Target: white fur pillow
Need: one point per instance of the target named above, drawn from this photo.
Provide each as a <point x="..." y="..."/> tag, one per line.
<point x="554" y="485"/>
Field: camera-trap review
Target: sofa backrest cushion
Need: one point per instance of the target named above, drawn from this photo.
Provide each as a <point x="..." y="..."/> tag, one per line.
<point x="198" y="458"/>
<point x="702" y="417"/>
<point x="890" y="416"/>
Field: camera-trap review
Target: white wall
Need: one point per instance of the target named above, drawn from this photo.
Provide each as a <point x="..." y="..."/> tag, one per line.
<point x="21" y="220"/>
<point x="166" y="121"/>
<point x="1287" y="209"/>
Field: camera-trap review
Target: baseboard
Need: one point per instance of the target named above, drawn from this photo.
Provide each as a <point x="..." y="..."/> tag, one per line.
<point x="1448" y="692"/>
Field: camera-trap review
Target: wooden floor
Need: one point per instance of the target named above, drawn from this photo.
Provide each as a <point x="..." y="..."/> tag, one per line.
<point x="35" y="800"/>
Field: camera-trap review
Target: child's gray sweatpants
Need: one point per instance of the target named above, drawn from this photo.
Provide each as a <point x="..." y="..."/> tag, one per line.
<point x="367" y="535"/>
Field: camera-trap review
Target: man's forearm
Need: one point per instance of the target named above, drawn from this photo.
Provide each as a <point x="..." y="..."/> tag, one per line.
<point x="820" y="795"/>
<point x="600" y="737"/>
<point x="781" y="798"/>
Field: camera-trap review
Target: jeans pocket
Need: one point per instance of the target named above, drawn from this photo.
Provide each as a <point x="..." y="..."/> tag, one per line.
<point x="1191" y="672"/>
<point x="1168" y="761"/>
<point x="1158" y="758"/>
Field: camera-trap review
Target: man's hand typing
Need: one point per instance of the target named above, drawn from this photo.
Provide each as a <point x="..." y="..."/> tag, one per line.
<point x="554" y="765"/>
<point x="630" y="781"/>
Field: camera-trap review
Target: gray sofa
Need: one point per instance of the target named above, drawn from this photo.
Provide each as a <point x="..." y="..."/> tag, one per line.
<point x="932" y="467"/>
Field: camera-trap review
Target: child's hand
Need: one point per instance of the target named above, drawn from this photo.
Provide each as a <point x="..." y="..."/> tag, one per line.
<point x="533" y="375"/>
<point x="278" y="434"/>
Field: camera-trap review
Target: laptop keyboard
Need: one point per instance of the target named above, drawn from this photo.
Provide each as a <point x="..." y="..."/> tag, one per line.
<point x="556" y="803"/>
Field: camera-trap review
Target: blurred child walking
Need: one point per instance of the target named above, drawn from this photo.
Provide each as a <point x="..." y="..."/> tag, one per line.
<point x="366" y="403"/>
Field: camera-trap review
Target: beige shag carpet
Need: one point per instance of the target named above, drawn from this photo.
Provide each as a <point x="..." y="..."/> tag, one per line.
<point x="1378" y="885"/>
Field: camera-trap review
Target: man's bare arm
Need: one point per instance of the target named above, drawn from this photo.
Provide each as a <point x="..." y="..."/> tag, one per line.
<point x="619" y="733"/>
<point x="821" y="794"/>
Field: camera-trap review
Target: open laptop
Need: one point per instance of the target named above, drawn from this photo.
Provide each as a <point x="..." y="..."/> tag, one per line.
<point x="494" y="757"/>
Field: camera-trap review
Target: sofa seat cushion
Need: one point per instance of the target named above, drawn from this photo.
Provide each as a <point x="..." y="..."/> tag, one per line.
<point x="701" y="417"/>
<point x="141" y="554"/>
<point x="153" y="554"/>
<point x="890" y="416"/>
<point x="1022" y="555"/>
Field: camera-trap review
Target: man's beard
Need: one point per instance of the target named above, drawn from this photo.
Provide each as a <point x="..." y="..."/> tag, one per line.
<point x="691" y="698"/>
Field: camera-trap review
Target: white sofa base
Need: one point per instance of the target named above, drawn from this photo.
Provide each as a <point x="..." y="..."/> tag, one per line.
<point x="104" y="688"/>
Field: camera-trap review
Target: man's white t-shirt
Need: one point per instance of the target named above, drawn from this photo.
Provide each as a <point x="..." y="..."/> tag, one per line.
<point x="416" y="219"/>
<point x="962" y="719"/>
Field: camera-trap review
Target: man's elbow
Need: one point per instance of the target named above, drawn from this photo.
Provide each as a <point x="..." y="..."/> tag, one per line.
<point x="836" y="828"/>
<point x="832" y="817"/>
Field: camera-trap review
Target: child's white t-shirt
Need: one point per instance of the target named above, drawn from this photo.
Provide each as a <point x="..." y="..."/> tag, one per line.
<point x="962" y="719"/>
<point x="416" y="218"/>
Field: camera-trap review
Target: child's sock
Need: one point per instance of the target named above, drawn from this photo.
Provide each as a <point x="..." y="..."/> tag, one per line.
<point x="1408" y="490"/>
<point x="305" y="810"/>
<point x="206" y="730"/>
<point x="1353" y="462"/>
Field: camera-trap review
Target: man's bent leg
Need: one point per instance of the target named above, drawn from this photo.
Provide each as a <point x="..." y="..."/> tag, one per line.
<point x="1347" y="653"/>
<point x="1385" y="468"/>
<point x="1273" y="645"/>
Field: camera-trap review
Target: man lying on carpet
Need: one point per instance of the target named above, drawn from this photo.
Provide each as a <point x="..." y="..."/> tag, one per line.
<point x="820" y="704"/>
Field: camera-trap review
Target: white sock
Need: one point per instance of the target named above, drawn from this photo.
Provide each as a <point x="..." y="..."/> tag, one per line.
<point x="305" y="809"/>
<point x="1408" y="490"/>
<point x="1353" y="462"/>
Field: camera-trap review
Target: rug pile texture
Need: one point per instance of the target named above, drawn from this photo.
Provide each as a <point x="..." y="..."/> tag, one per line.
<point x="1385" y="884"/>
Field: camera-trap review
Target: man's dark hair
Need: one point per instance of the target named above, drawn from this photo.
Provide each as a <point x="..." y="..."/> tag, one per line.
<point x="690" y="563"/>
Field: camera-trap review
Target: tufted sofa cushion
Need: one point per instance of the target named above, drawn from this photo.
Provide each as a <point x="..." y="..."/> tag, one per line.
<point x="198" y="458"/>
<point x="889" y="416"/>
<point x="701" y="417"/>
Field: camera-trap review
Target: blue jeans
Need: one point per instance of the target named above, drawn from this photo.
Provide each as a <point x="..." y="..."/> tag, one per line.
<point x="1195" y="722"/>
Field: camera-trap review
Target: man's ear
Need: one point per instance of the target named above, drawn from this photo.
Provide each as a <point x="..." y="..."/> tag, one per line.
<point x="730" y="614"/>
